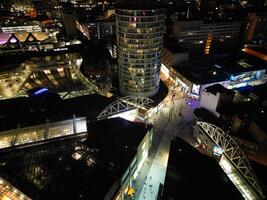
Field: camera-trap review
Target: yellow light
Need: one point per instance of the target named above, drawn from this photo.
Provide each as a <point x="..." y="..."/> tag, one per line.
<point x="5" y="198"/>
<point x="131" y="191"/>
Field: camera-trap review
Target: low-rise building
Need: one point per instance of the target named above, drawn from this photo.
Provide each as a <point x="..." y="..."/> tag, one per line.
<point x="192" y="175"/>
<point x="102" y="164"/>
<point x="232" y="72"/>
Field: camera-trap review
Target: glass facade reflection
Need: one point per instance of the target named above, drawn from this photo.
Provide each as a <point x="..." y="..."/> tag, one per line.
<point x="42" y="132"/>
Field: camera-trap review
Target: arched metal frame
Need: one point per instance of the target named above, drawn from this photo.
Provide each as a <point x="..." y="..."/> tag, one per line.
<point x="233" y="152"/>
<point x="89" y="87"/>
<point x="84" y="81"/>
<point x="75" y="93"/>
<point x="124" y="104"/>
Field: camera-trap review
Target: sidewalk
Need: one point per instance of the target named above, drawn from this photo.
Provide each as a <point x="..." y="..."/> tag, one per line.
<point x="155" y="165"/>
<point x="173" y="120"/>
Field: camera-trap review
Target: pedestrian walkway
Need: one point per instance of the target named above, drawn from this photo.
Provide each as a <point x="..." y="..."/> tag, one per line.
<point x="173" y="120"/>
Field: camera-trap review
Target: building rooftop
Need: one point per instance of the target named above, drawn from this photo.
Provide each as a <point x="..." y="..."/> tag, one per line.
<point x="259" y="117"/>
<point x="192" y="175"/>
<point x="173" y="46"/>
<point x="22" y="37"/>
<point x="253" y="108"/>
<point x="138" y="4"/>
<point x="18" y="21"/>
<point x="200" y="72"/>
<point x="218" y="88"/>
<point x="204" y="71"/>
<point x="60" y="170"/>
<point x="203" y="114"/>
<point x="240" y="63"/>
<point x="259" y="52"/>
<point x="37" y="110"/>
<point x="260" y="91"/>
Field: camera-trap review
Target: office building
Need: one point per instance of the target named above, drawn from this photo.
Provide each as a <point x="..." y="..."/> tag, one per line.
<point x="256" y="29"/>
<point x="140" y="27"/>
<point x="19" y="26"/>
<point x="207" y="37"/>
<point x="69" y="18"/>
<point x="98" y="29"/>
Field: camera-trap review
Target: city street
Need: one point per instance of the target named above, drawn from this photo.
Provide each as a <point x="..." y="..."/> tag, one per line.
<point x="172" y="120"/>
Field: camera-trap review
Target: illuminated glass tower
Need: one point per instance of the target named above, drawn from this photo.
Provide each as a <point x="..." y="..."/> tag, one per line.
<point x="140" y="28"/>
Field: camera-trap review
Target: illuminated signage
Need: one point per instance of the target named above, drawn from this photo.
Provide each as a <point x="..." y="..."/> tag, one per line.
<point x="195" y="89"/>
<point x="217" y="151"/>
<point x="40" y="91"/>
<point x="61" y="49"/>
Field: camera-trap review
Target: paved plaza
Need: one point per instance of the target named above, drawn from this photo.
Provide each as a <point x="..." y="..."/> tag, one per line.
<point x="174" y="119"/>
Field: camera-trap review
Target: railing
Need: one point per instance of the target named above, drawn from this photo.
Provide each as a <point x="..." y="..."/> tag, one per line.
<point x="124" y="104"/>
<point x="233" y="152"/>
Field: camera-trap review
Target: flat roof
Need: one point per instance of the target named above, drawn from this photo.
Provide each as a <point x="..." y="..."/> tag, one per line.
<point x="18" y="57"/>
<point x="173" y="46"/>
<point x="33" y="111"/>
<point x="192" y="175"/>
<point x="200" y="72"/>
<point x="260" y="91"/>
<point x="54" y="171"/>
<point x="259" y="117"/>
<point x="203" y="114"/>
<point x="241" y="63"/>
<point x="218" y="88"/>
<point x="204" y="71"/>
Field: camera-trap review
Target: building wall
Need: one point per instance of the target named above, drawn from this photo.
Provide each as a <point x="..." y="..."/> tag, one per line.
<point x="196" y="34"/>
<point x="170" y="58"/>
<point x="180" y="57"/>
<point x="256" y="29"/>
<point x="251" y="25"/>
<point x="69" y="22"/>
<point x="101" y="30"/>
<point x="134" y="168"/>
<point x="236" y="124"/>
<point x="210" y="102"/>
<point x="259" y="135"/>
<point x="139" y="37"/>
<point x="167" y="58"/>
<point x="27" y="28"/>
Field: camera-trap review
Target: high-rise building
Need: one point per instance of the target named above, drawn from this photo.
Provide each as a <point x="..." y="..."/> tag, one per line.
<point x="256" y="29"/>
<point x="140" y="28"/>
<point x="207" y="37"/>
<point x="69" y="19"/>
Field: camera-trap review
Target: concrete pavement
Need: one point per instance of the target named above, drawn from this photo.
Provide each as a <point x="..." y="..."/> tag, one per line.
<point x="174" y="119"/>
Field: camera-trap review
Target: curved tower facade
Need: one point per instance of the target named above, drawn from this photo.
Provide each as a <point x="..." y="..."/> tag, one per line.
<point x="140" y="28"/>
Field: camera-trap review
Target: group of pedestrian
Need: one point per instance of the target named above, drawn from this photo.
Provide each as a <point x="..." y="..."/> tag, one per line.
<point x="150" y="187"/>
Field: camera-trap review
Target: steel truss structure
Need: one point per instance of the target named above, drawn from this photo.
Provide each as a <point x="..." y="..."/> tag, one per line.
<point x="34" y="135"/>
<point x="62" y="75"/>
<point x="233" y="152"/>
<point x="89" y="85"/>
<point x="75" y="93"/>
<point x="124" y="104"/>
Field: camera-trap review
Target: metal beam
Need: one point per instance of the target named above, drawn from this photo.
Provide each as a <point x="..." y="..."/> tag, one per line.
<point x="124" y="104"/>
<point x="233" y="152"/>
